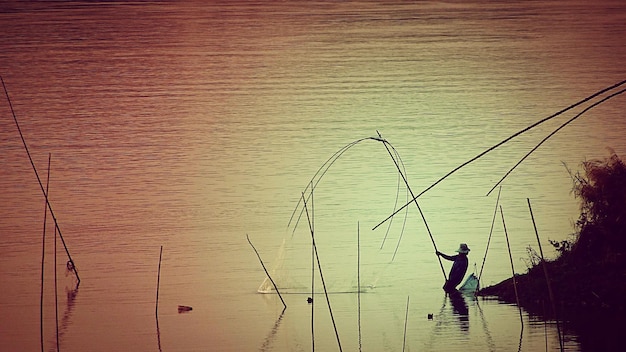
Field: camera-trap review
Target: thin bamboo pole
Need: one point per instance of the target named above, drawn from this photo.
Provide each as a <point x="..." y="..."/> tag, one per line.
<point x="358" y="279"/>
<point x="267" y="273"/>
<point x="553" y="133"/>
<point x="493" y="220"/>
<point x="156" y="305"/>
<point x="319" y="267"/>
<point x="545" y="273"/>
<point x="32" y="163"/>
<point x="503" y="142"/>
<point x="56" y="292"/>
<point x="43" y="257"/>
<point x="512" y="268"/>
<point x="312" y="225"/>
<point x="406" y="320"/>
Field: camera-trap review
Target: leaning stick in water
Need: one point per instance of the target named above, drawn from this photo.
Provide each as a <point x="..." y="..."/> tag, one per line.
<point x="70" y="263"/>
<point x="319" y="267"/>
<point x="506" y="235"/>
<point x="43" y="257"/>
<point x="545" y="273"/>
<point x="493" y="220"/>
<point x="503" y="142"/>
<point x="406" y="182"/>
<point x="156" y="306"/>
<point x="553" y="133"/>
<point x="267" y="273"/>
<point x="406" y="319"/>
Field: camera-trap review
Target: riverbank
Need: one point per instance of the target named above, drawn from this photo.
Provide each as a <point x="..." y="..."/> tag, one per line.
<point x="588" y="278"/>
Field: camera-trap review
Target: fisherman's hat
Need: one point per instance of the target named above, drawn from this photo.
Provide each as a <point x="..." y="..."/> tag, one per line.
<point x="463" y="248"/>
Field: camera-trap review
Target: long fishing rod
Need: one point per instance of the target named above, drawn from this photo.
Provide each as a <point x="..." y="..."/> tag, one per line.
<point x="70" y="263"/>
<point x="386" y="144"/>
<point x="501" y="143"/>
<point x="553" y="133"/>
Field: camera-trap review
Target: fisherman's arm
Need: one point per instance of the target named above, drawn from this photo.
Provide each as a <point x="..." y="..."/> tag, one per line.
<point x="448" y="257"/>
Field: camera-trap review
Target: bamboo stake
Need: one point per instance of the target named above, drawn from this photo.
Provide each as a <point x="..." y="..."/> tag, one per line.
<point x="406" y="319"/>
<point x="267" y="273"/>
<point x="358" y="278"/>
<point x="56" y="299"/>
<point x="406" y="182"/>
<point x="32" y="163"/>
<point x="43" y="257"/>
<point x="503" y="142"/>
<point x="545" y="273"/>
<point x="312" y="224"/>
<point x="156" y="306"/>
<point x="512" y="268"/>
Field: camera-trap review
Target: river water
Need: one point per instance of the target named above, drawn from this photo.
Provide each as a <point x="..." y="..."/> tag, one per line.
<point x="189" y="125"/>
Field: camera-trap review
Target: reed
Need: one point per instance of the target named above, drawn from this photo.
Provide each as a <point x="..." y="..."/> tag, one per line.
<point x="545" y="273"/>
<point x="505" y="141"/>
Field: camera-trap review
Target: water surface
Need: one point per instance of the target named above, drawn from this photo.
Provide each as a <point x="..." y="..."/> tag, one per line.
<point x="189" y="125"/>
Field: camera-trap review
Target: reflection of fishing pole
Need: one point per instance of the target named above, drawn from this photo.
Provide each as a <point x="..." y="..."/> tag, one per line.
<point x="387" y="144"/>
<point x="267" y="344"/>
<point x="70" y="263"/>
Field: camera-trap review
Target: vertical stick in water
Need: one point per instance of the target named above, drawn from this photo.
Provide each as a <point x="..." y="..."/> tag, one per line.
<point x="545" y="273"/>
<point x="358" y="278"/>
<point x="43" y="257"/>
<point x="156" y="308"/>
<point x="512" y="267"/>
<point x="406" y="319"/>
<point x="56" y="300"/>
<point x="312" y="224"/>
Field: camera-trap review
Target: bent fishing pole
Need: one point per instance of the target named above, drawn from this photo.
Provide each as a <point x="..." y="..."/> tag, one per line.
<point x="406" y="182"/>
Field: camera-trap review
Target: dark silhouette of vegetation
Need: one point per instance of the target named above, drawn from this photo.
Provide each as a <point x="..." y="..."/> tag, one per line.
<point x="589" y="275"/>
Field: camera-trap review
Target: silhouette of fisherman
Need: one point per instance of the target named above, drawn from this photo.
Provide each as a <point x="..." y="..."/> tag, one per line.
<point x="457" y="272"/>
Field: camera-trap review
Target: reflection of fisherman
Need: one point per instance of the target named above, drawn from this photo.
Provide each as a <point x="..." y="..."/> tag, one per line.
<point x="458" y="268"/>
